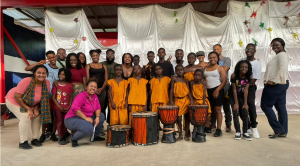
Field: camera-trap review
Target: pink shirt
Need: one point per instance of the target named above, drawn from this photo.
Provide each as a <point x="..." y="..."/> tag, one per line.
<point x="77" y="75"/>
<point x="84" y="104"/>
<point x="22" y="87"/>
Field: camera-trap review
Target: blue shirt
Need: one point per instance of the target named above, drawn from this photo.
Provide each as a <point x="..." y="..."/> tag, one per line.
<point x="52" y="76"/>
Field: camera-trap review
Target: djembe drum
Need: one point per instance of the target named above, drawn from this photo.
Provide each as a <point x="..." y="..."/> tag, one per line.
<point x="168" y="116"/>
<point x="144" y="128"/>
<point x="198" y="115"/>
<point x="117" y="136"/>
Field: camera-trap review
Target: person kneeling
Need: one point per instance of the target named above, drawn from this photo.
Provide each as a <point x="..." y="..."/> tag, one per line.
<point x="84" y="114"/>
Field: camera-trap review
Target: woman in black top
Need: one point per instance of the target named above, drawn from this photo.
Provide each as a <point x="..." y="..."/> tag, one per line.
<point x="99" y="71"/>
<point x="127" y="66"/>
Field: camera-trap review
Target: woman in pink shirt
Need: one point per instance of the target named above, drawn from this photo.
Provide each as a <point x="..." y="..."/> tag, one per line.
<point x="29" y="102"/>
<point x="84" y="114"/>
<point x="78" y="79"/>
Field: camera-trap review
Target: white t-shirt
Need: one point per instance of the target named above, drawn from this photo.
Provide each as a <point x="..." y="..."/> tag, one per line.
<point x="256" y="68"/>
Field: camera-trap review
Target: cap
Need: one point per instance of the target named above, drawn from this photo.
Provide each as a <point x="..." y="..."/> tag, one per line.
<point x="200" y="53"/>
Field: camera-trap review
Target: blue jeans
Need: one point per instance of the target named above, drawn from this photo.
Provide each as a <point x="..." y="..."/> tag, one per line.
<point x="275" y="95"/>
<point x="82" y="127"/>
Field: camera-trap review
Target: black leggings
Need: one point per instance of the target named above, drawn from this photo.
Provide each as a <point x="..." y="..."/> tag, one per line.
<point x="243" y="113"/>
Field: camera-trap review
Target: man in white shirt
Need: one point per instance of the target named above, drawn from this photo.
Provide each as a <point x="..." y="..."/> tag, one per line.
<point x="256" y="74"/>
<point x="179" y="54"/>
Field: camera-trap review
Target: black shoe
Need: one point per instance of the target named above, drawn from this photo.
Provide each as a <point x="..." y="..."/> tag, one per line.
<point x="218" y="133"/>
<point x="42" y="138"/>
<point x="25" y="145"/>
<point x="74" y="143"/>
<point x="247" y="137"/>
<point x="53" y="137"/>
<point x="99" y="139"/>
<point x="67" y="135"/>
<point x="62" y="141"/>
<point x="48" y="134"/>
<point x="36" y="142"/>
<point x="207" y="130"/>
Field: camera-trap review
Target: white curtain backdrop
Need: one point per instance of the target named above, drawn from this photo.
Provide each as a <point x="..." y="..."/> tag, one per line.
<point x="148" y="28"/>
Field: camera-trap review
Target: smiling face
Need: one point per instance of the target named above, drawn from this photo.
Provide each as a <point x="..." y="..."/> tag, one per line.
<point x="161" y="54"/>
<point x="127" y="59"/>
<point x="61" y="54"/>
<point x="218" y="49"/>
<point x="198" y="76"/>
<point x="243" y="68"/>
<point x="52" y="59"/>
<point x="191" y="59"/>
<point x="95" y="57"/>
<point x="118" y="71"/>
<point x="179" y="71"/>
<point x="137" y="70"/>
<point x="200" y="58"/>
<point x="158" y="70"/>
<point x="62" y="76"/>
<point x="82" y="58"/>
<point x="213" y="58"/>
<point x="73" y="61"/>
<point x="179" y="55"/>
<point x="250" y="50"/>
<point x="277" y="47"/>
<point x="91" y="88"/>
<point x="40" y="74"/>
<point x="110" y="56"/>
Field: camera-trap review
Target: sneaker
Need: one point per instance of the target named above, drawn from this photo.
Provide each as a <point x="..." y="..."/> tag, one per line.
<point x="212" y="127"/>
<point x="247" y="137"/>
<point x="36" y="142"/>
<point x="42" y="138"/>
<point x="102" y="132"/>
<point x="218" y="133"/>
<point x="228" y="128"/>
<point x="62" y="141"/>
<point x="207" y="130"/>
<point x="237" y="136"/>
<point x="255" y="133"/>
<point x="249" y="131"/>
<point x="53" y="137"/>
<point x="99" y="139"/>
<point x="25" y="145"/>
<point x="74" y="143"/>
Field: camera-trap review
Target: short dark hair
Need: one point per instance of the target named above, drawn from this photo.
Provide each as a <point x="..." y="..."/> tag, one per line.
<point x="93" y="79"/>
<point x="37" y="67"/>
<point x="110" y="50"/>
<point x="136" y="56"/>
<point x="117" y="65"/>
<point x="49" y="52"/>
<point x="130" y="57"/>
<point x="61" y="49"/>
<point x="150" y="52"/>
<point x="78" y="54"/>
<point x="68" y="64"/>
<point x="251" y="44"/>
<point x="158" y="64"/>
<point x="162" y="49"/>
<point x="281" y="41"/>
<point x="217" y="45"/>
<point x="191" y="53"/>
<point x="178" y="50"/>
<point x="218" y="55"/>
<point x="95" y="50"/>
<point x="199" y="70"/>
<point x="68" y="74"/>
<point x="178" y="66"/>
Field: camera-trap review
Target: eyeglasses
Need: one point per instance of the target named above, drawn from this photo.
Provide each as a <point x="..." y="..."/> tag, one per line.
<point x="250" y="49"/>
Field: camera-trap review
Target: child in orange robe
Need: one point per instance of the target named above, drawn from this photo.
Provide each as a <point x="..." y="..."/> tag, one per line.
<point x="180" y="90"/>
<point x="137" y="90"/>
<point x="118" y="98"/>
<point x="198" y="88"/>
<point x="159" y="89"/>
<point x="189" y="69"/>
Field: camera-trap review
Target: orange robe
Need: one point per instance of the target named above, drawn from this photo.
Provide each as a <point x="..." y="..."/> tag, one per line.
<point x="137" y="95"/>
<point x="198" y="95"/>
<point x="118" y="91"/>
<point x="182" y="100"/>
<point x="189" y="76"/>
<point x="159" y="90"/>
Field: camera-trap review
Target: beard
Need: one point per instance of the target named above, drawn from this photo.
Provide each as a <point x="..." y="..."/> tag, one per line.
<point x="110" y="61"/>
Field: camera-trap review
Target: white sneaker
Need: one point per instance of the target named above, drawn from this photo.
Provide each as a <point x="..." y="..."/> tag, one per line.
<point x="255" y="133"/>
<point x="249" y="131"/>
<point x="237" y="136"/>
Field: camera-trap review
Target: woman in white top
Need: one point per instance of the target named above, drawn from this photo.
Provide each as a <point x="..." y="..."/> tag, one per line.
<point x="274" y="93"/>
<point x="212" y="73"/>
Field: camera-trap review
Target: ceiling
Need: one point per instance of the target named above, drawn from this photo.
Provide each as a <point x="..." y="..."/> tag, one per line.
<point x="104" y="18"/>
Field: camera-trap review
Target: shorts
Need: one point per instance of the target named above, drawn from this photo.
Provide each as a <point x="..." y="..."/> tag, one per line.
<point x="218" y="102"/>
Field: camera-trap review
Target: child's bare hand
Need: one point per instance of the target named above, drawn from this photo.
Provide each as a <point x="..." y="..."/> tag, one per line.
<point x="130" y="108"/>
<point x="236" y="107"/>
<point x="113" y="105"/>
<point x="60" y="108"/>
<point x="246" y="107"/>
<point x="145" y="108"/>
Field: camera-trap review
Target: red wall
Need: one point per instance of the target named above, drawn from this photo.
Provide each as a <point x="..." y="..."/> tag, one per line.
<point x="107" y="38"/>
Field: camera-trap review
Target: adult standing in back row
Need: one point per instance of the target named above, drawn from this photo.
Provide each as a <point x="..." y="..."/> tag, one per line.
<point x="167" y="66"/>
<point x="225" y="62"/>
<point x="99" y="71"/>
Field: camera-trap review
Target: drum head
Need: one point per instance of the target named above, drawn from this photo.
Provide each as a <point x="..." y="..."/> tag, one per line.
<point x="198" y="106"/>
<point x="143" y="114"/>
<point x="119" y="127"/>
<point x="168" y="107"/>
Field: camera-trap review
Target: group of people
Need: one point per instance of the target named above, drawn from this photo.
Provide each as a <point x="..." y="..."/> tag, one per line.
<point x="66" y="93"/>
